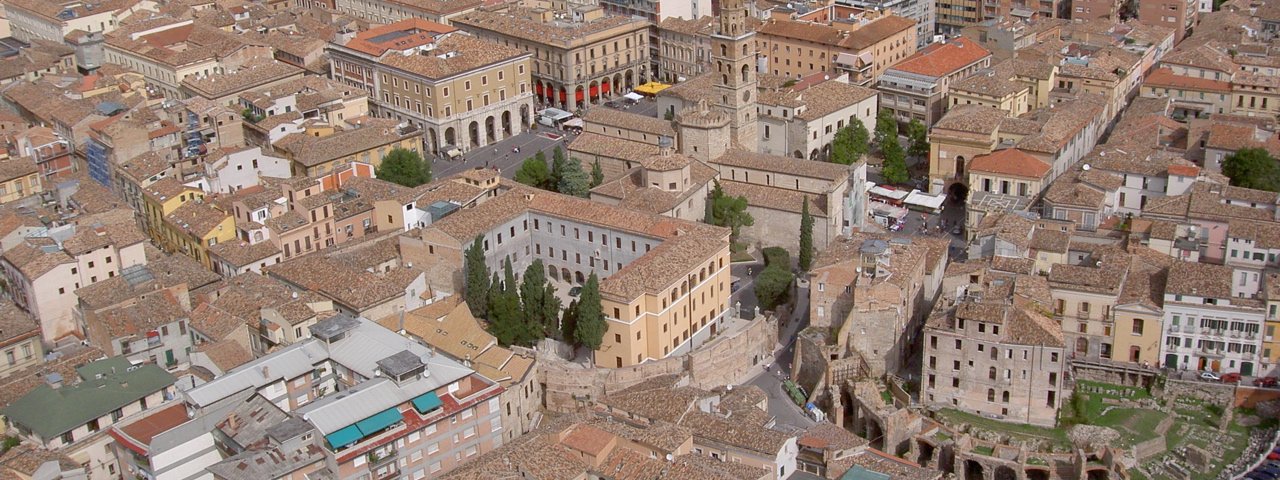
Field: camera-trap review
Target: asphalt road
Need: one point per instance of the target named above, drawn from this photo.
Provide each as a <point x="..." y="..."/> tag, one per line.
<point x="500" y="155"/>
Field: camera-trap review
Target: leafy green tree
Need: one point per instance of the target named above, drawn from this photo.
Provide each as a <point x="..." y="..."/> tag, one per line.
<point x="773" y="287"/>
<point x="404" y="167"/>
<point x="597" y="174"/>
<point x="569" y="323"/>
<point x="1252" y="168"/>
<point x="806" y="237"/>
<point x="477" y="276"/>
<point x="850" y="144"/>
<point x="590" y="327"/>
<point x="572" y="180"/>
<point x="729" y="211"/>
<point x="507" y="320"/>
<point x="886" y="126"/>
<point x="558" y="163"/>
<point x="919" y="136"/>
<point x="534" y="173"/>
<point x="894" y="169"/>
<point x="538" y="296"/>
<point x="861" y="137"/>
<point x="842" y="150"/>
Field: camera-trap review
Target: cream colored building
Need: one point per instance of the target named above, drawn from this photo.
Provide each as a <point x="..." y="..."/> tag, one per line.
<point x="32" y="19"/>
<point x="459" y="89"/>
<point x="684" y="48"/>
<point x="168" y="51"/>
<point x="657" y="303"/>
<point x="579" y="56"/>
<point x="863" y="47"/>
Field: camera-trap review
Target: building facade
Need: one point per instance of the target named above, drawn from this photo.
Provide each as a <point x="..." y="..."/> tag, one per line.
<point x="579" y="56"/>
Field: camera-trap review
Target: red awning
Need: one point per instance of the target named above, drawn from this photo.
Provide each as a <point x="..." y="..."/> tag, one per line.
<point x="578" y="95"/>
<point x="564" y="96"/>
<point x="605" y="87"/>
<point x="595" y="91"/>
<point x="538" y="88"/>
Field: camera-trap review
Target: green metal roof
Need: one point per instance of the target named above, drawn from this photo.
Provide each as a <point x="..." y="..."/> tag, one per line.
<point x="858" y="473"/>
<point x="379" y="421"/>
<point x="105" y="386"/>
<point x="427" y="402"/>
<point x="343" y="437"/>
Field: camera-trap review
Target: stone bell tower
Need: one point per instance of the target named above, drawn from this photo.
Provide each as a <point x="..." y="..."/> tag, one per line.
<point x="734" y="52"/>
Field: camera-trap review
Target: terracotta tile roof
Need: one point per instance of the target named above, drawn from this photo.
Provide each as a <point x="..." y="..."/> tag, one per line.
<point x="1233" y="137"/>
<point x="877" y="31"/>
<point x="630" y="121"/>
<point x="311" y="151"/>
<point x="1184" y="170"/>
<point x="829" y="97"/>
<point x="1263" y="234"/>
<point x="1200" y="279"/>
<point x="942" y="59"/>
<point x="240" y="254"/>
<point x="226" y="354"/>
<point x="34" y="262"/>
<point x="1202" y="57"/>
<point x="771" y="163"/>
<point x="698" y="26"/>
<point x="972" y="119"/>
<point x="350" y="286"/>
<point x="1165" y="78"/>
<point x="1062" y="122"/>
<point x="252" y="74"/>
<point x="1010" y="161"/>
<point x="1048" y="240"/>
<point x="197" y="219"/>
<point x="1144" y="284"/>
<point x="774" y="198"/>
<point x="997" y="81"/>
<point x="523" y="23"/>
<point x="599" y="145"/>
<point x="1103" y="272"/>
<point x="401" y="35"/>
<point x="631" y="191"/>
<point x="149" y="313"/>
<point x="829" y="437"/>
<point x="455" y="54"/>
<point x="15" y="323"/>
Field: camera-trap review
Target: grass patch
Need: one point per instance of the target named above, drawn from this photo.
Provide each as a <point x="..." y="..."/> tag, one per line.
<point x="887" y="397"/>
<point x="983" y="450"/>
<point x="1037" y="461"/>
<point x="739" y="257"/>
<point x="1056" y="436"/>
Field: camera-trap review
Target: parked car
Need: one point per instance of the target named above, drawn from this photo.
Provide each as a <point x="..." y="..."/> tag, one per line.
<point x="1266" y="382"/>
<point x="1273" y="456"/>
<point x="1209" y="376"/>
<point x="1231" y="378"/>
<point x="575" y="291"/>
<point x="1257" y="475"/>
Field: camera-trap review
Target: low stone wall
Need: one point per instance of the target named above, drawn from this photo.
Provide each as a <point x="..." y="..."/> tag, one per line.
<point x="1215" y="393"/>
<point x="726" y="360"/>
<point x="1149" y="448"/>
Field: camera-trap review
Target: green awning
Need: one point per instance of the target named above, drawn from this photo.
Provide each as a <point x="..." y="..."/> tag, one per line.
<point x="382" y="420"/>
<point x="427" y="402"/>
<point x="343" y="437"/>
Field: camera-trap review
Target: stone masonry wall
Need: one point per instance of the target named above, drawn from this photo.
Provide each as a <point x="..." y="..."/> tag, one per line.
<point x="727" y="359"/>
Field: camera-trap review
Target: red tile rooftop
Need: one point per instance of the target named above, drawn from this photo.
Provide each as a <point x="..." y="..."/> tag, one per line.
<point x="941" y="59"/>
<point x="138" y="434"/>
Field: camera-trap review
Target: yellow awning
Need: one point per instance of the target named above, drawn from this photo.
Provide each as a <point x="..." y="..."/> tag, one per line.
<point x="651" y="88"/>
